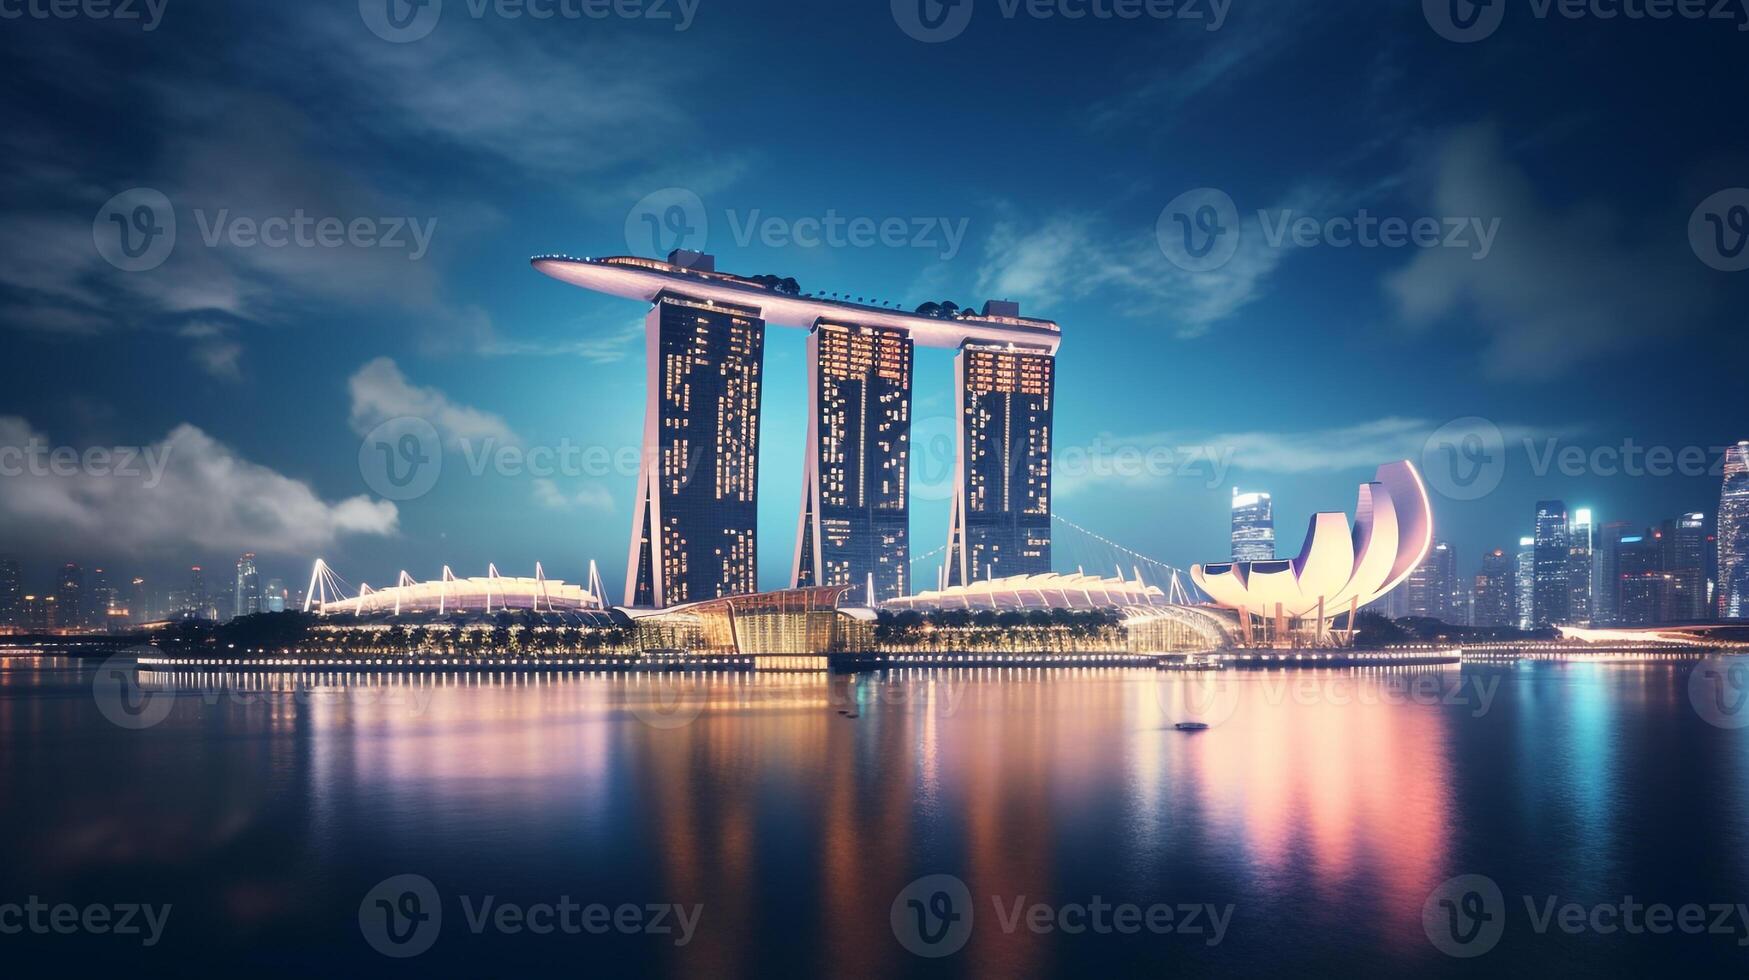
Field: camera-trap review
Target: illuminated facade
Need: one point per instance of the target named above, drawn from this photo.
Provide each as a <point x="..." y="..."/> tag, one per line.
<point x="1337" y="571"/>
<point x="1253" y="526"/>
<point x="856" y="517"/>
<point x="1494" y="593"/>
<point x="695" y="523"/>
<point x="1551" y="595"/>
<point x="1733" y="589"/>
<point x="1581" y="568"/>
<point x="1000" y="523"/>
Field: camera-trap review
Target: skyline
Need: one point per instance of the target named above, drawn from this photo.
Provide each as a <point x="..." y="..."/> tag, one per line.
<point x="319" y="345"/>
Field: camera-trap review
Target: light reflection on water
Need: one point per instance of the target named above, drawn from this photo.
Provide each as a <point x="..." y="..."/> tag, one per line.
<point x="1324" y="805"/>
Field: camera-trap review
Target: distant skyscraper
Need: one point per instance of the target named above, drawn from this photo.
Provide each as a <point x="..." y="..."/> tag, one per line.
<point x="1686" y="559"/>
<point x="1496" y="600"/>
<point x="1430" y="585"/>
<point x="1253" y="526"/>
<point x="70" y="597"/>
<point x="1524" y="583"/>
<point x="1606" y="598"/>
<point x="695" y="530"/>
<point x="139" y="602"/>
<point x="855" y="502"/>
<point x="1644" y="589"/>
<point x="102" y="598"/>
<point x="11" y="592"/>
<point x="1581" y="567"/>
<point x="1552" y="597"/>
<point x="274" y="599"/>
<point x="246" y="599"/>
<point x="196" y="602"/>
<point x="1000" y="522"/>
<point x="1733" y="584"/>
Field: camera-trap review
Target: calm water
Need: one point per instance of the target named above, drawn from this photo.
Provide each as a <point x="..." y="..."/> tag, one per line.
<point x="789" y="814"/>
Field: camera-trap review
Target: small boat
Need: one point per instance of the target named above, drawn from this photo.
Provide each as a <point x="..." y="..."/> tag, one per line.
<point x="1191" y="726"/>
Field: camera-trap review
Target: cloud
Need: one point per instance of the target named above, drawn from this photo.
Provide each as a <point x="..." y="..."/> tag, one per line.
<point x="592" y="497"/>
<point x="214" y="350"/>
<point x="1560" y="287"/>
<point x="1073" y="256"/>
<point x="186" y="492"/>
<point x="380" y="392"/>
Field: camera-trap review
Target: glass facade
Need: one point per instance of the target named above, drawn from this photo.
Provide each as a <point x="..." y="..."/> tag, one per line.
<point x="695" y="523"/>
<point x="856" y="513"/>
<point x="1001" y="519"/>
<point x="1552" y="594"/>
<point x="1253" y="526"/>
<point x="1733" y="588"/>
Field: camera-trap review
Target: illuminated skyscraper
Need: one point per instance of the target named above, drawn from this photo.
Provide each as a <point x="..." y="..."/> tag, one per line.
<point x="1552" y="596"/>
<point x="1733" y="587"/>
<point x="246" y="599"/>
<point x="1581" y="567"/>
<point x="197" y="602"/>
<point x="1524" y="583"/>
<point x="855" y="520"/>
<point x="1253" y="526"/>
<point x="70" y="597"/>
<point x="11" y="593"/>
<point x="1644" y="588"/>
<point x="1606" y="598"/>
<point x="1430" y="586"/>
<point x="273" y="599"/>
<point x="1495" y="598"/>
<point x="1685" y="550"/>
<point x="1000" y="522"/>
<point x="695" y="520"/>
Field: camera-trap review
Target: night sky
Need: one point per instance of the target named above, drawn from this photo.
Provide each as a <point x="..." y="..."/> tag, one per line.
<point x="1586" y="145"/>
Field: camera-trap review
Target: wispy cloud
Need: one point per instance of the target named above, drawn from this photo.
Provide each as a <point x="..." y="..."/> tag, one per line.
<point x="1560" y="287"/>
<point x="609" y="346"/>
<point x="592" y="496"/>
<point x="380" y="392"/>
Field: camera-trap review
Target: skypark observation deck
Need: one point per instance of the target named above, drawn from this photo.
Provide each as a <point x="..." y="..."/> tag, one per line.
<point x="631" y="277"/>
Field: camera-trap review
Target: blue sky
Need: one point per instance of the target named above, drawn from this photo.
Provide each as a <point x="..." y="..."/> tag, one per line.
<point x="1586" y="144"/>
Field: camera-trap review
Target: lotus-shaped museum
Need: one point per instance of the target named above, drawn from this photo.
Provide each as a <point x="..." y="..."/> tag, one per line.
<point x="1340" y="568"/>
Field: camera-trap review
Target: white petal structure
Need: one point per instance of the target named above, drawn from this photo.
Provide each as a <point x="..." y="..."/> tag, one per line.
<point x="1337" y="568"/>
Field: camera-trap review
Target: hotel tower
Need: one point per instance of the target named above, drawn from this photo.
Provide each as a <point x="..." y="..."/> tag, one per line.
<point x="695" y="526"/>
